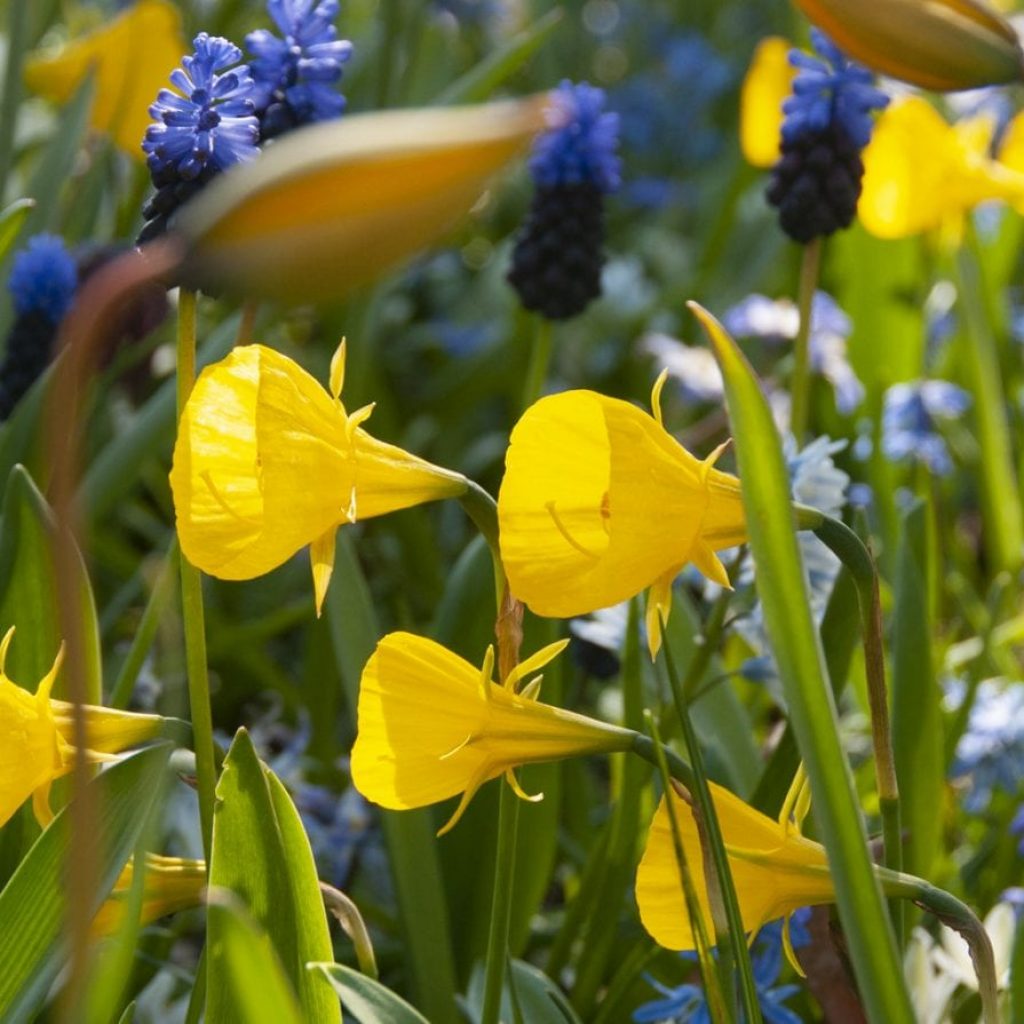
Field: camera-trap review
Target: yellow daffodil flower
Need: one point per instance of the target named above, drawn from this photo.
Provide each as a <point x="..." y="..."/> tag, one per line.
<point x="936" y="44"/>
<point x="774" y="868"/>
<point x="266" y="462"/>
<point x="36" y="738"/>
<point x="599" y="502"/>
<point x="924" y="174"/>
<point x="334" y="205"/>
<point x="130" y="57"/>
<point x="171" y="884"/>
<point x="432" y="726"/>
<point x="768" y="82"/>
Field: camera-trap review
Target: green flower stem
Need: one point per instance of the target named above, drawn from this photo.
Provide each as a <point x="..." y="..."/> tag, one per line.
<point x="540" y="360"/>
<point x="483" y="511"/>
<point x="192" y="603"/>
<point x="850" y="550"/>
<point x="800" y="385"/>
<point x="729" y="930"/>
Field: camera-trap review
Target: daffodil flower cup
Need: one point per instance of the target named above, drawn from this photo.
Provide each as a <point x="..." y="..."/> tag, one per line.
<point x="267" y="462"/>
<point x="600" y="502"/>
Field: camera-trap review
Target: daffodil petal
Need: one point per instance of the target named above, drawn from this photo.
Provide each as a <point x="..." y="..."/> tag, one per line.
<point x="767" y="84"/>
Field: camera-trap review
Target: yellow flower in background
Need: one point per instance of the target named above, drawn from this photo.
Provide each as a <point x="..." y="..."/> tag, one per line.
<point x="332" y="206"/>
<point x="936" y="44"/>
<point x="171" y="884"/>
<point x="774" y="868"/>
<point x="600" y="502"/>
<point x="432" y="726"/>
<point x="36" y="738"/>
<point x="266" y="462"/>
<point x="923" y="174"/>
<point x="130" y="58"/>
<point x="769" y="80"/>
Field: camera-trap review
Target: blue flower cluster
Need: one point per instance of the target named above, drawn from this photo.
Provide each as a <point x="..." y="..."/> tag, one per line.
<point x="580" y="147"/>
<point x="687" y="1003"/>
<point x="43" y="278"/>
<point x="211" y="124"/>
<point x="296" y="74"/>
<point x="909" y="428"/>
<point x="830" y="89"/>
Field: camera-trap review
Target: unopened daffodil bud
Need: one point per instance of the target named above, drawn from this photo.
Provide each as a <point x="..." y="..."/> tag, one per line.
<point x="936" y="44"/>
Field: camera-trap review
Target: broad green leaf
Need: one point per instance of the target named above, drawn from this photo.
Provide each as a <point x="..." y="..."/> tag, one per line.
<point x="261" y="854"/>
<point x="32" y="903"/>
<point x="916" y="701"/>
<point x="252" y="986"/>
<point x="29" y="589"/>
<point x="412" y="846"/>
<point x="480" y="82"/>
<point x="369" y="1000"/>
<point x="782" y="589"/>
<point x="11" y="219"/>
<point x="536" y="999"/>
<point x="129" y="1014"/>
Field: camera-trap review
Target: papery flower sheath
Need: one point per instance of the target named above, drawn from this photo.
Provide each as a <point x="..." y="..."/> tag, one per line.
<point x="130" y="58"/>
<point x="600" y="502"/>
<point x="171" y="884"/>
<point x="774" y="868"/>
<point x="36" y="738"/>
<point x="432" y="726"/>
<point x="266" y="462"/>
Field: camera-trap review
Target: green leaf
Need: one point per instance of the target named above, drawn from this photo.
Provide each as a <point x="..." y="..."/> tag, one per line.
<point x="480" y="82"/>
<point x="29" y="588"/>
<point x="369" y="1000"/>
<point x="32" y="903"/>
<point x="261" y="853"/>
<point x="412" y="846"/>
<point x="252" y="985"/>
<point x="11" y="219"/>
<point x="782" y="589"/>
<point x="916" y="700"/>
<point x="536" y="998"/>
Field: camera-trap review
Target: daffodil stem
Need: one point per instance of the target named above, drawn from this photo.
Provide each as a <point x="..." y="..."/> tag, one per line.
<point x="800" y="384"/>
<point x="717" y="870"/>
<point x="852" y="552"/>
<point x="540" y="360"/>
<point x="483" y="511"/>
<point x="193" y="618"/>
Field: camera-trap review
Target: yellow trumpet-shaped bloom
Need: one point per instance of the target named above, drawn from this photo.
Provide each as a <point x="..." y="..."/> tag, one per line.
<point x="769" y="80"/>
<point x="171" y="884"/>
<point x="267" y="462"/>
<point x="924" y="174"/>
<point x="130" y="59"/>
<point x="333" y="205"/>
<point x="36" y="738"/>
<point x="432" y="726"/>
<point x="599" y="502"/>
<point x="936" y="44"/>
<point x="774" y="868"/>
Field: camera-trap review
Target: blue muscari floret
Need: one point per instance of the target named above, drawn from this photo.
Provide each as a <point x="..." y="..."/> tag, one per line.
<point x="43" y="278"/>
<point x="212" y="123"/>
<point x="830" y="90"/>
<point x="580" y="147"/>
<point x="909" y="415"/>
<point x="306" y="64"/>
<point x="687" y="1003"/>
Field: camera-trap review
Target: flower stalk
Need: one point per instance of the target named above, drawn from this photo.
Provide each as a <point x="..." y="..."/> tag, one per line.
<point x="800" y="386"/>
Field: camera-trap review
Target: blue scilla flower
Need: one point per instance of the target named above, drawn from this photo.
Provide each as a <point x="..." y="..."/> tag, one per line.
<point x="830" y="90"/>
<point x="990" y="753"/>
<point x="297" y="73"/>
<point x="211" y="124"/>
<point x="687" y="1003"/>
<point x="910" y="416"/>
<point x="827" y="122"/>
<point x="43" y="278"/>
<point x="581" y="146"/>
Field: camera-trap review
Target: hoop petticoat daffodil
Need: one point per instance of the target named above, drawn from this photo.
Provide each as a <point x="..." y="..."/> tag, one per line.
<point x="171" y="884"/>
<point x="936" y="44"/>
<point x="432" y="726"/>
<point x="774" y="868"/>
<point x="266" y="462"/>
<point x="36" y="738"/>
<point x="599" y="502"/>
<point x="766" y="86"/>
<point x="129" y="58"/>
